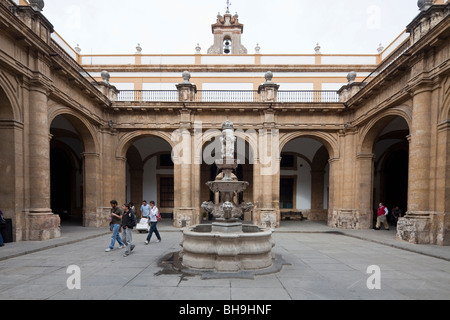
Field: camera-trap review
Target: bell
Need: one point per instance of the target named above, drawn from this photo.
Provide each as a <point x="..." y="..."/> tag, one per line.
<point x="227" y="48"/>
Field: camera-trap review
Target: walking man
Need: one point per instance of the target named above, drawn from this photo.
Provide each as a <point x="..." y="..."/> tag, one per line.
<point x="153" y="217"/>
<point x="116" y="221"/>
<point x="128" y="223"/>
<point x="145" y="209"/>
<point x="382" y="217"/>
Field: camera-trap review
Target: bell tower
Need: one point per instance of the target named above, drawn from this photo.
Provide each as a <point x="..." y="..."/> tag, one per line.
<point x="227" y="33"/>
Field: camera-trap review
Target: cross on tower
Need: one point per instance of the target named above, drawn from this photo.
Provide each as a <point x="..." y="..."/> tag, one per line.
<point x="228" y="6"/>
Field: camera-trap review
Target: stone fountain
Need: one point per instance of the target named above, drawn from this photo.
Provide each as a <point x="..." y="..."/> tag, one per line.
<point x="227" y="245"/>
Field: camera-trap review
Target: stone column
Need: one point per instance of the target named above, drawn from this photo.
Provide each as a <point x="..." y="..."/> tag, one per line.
<point x="415" y="226"/>
<point x="42" y="223"/>
<point x="120" y="185"/>
<point x="364" y="165"/>
<point x="334" y="201"/>
<point x="317" y="194"/>
<point x="92" y="216"/>
<point x="184" y="212"/>
<point x="269" y="166"/>
<point x="346" y="215"/>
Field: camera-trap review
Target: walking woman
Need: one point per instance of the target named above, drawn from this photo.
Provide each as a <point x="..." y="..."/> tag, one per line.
<point x="153" y="218"/>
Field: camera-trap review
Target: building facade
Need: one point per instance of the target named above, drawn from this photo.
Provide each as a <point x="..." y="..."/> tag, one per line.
<point x="329" y="136"/>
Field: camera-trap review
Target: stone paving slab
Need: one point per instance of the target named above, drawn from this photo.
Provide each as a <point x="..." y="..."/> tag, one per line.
<point x="322" y="265"/>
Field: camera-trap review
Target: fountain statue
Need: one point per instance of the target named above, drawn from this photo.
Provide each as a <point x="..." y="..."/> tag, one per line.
<point x="227" y="245"/>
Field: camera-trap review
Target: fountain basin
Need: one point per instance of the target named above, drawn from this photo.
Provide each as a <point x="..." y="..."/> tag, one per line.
<point x="227" y="186"/>
<point x="248" y="249"/>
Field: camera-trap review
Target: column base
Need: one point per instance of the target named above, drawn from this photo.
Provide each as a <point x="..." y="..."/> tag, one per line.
<point x="97" y="218"/>
<point x="424" y="228"/>
<point x="267" y="217"/>
<point x="43" y="225"/>
<point x="415" y="228"/>
<point x="185" y="217"/>
<point x="317" y="215"/>
<point x="349" y="219"/>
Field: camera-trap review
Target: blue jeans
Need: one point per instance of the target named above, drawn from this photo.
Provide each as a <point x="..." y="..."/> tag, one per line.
<point x="115" y="236"/>
<point x="153" y="229"/>
<point x="1" y="239"/>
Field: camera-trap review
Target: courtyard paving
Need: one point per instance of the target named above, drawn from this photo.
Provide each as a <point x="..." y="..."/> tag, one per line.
<point x="320" y="263"/>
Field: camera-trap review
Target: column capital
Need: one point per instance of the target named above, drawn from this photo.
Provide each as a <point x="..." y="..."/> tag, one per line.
<point x="90" y="155"/>
<point x="365" y="156"/>
<point x="423" y="85"/>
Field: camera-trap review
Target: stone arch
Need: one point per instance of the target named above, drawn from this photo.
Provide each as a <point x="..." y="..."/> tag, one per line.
<point x="86" y="181"/>
<point x="372" y="129"/>
<point x="129" y="138"/>
<point x="370" y="184"/>
<point x="82" y="125"/>
<point x="444" y="115"/>
<point x="326" y="139"/>
<point x="9" y="94"/>
<point x="10" y="163"/>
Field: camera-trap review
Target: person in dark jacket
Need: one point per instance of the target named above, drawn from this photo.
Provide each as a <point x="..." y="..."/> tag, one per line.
<point x="128" y="223"/>
<point x="2" y="225"/>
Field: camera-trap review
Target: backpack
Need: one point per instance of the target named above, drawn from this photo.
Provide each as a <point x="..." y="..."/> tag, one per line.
<point x="133" y="219"/>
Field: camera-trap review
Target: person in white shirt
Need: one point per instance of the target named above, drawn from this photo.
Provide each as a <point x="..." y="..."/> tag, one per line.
<point x="153" y="218"/>
<point x="145" y="209"/>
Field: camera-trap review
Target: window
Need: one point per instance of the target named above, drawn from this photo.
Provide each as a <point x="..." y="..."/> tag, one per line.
<point x="166" y="192"/>
<point x="165" y="161"/>
<point x="287" y="188"/>
<point x="288" y="161"/>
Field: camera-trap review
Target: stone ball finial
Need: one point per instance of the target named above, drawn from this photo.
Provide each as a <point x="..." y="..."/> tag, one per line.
<point x="227" y="125"/>
<point x="198" y="49"/>
<point x="380" y="48"/>
<point x="351" y="77"/>
<point x="257" y="49"/>
<point x="268" y="76"/>
<point x="424" y="4"/>
<point x="78" y="49"/>
<point x="317" y="48"/>
<point x="105" y="76"/>
<point x="186" y="76"/>
<point x="138" y="49"/>
<point x="37" y="5"/>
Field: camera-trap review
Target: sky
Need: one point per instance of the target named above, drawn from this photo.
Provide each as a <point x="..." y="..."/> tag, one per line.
<point x="279" y="27"/>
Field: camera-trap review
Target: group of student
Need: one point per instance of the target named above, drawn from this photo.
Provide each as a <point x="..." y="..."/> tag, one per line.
<point x="125" y="218"/>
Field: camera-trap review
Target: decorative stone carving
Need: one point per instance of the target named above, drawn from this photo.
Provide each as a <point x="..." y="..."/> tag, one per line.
<point x="345" y="219"/>
<point x="186" y="76"/>
<point x="380" y="48"/>
<point x="351" y="77"/>
<point x="227" y="140"/>
<point x="138" y="49"/>
<point x="424" y="4"/>
<point x="317" y="49"/>
<point x="257" y="49"/>
<point x="186" y="89"/>
<point x="37" y="5"/>
<point x="105" y="76"/>
<point x="268" y="91"/>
